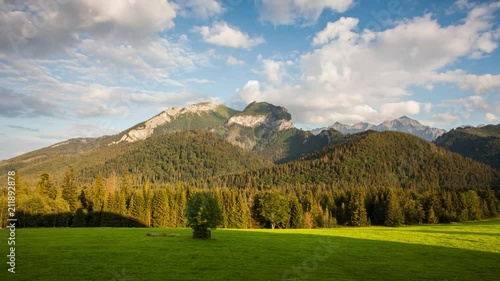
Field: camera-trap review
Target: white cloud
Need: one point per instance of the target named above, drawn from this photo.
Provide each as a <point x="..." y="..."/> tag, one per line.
<point x="287" y="12"/>
<point x="251" y="91"/>
<point x="340" y="29"/>
<point x="234" y="61"/>
<point x="31" y="29"/>
<point x="400" y="108"/>
<point x="490" y="117"/>
<point x="274" y="70"/>
<point x="221" y="34"/>
<point x="200" y="8"/>
<point x="199" y="81"/>
<point x="444" y="118"/>
<point x="377" y="69"/>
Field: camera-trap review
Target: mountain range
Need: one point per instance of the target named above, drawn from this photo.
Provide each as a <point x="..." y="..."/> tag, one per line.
<point x="403" y="124"/>
<point x="212" y="140"/>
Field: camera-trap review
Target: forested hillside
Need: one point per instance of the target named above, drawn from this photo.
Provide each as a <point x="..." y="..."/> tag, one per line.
<point x="178" y="157"/>
<point x="481" y="144"/>
<point x="371" y="178"/>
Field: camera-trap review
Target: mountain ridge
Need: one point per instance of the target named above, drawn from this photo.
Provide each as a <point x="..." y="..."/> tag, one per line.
<point x="402" y="124"/>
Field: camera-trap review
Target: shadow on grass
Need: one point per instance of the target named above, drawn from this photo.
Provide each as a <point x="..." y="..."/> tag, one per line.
<point x="82" y="218"/>
<point x="93" y="254"/>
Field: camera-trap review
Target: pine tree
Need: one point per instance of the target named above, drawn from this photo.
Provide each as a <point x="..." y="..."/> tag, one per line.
<point x="357" y="209"/>
<point x="393" y="215"/>
<point x="241" y="211"/>
<point x="97" y="200"/>
<point x="431" y="216"/>
<point x="160" y="209"/>
<point x="148" y="196"/>
<point x="296" y="213"/>
<point x="70" y="190"/>
<point x="46" y="187"/>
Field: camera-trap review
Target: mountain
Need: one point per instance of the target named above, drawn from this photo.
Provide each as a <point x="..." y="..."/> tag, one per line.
<point x="377" y="159"/>
<point x="178" y="156"/>
<point x="403" y="124"/>
<point x="202" y="116"/>
<point x="268" y="131"/>
<point x="479" y="143"/>
<point x="261" y="128"/>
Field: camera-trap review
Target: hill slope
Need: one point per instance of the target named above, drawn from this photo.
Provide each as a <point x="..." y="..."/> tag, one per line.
<point x="179" y="156"/>
<point x="380" y="159"/>
<point x="481" y="144"/>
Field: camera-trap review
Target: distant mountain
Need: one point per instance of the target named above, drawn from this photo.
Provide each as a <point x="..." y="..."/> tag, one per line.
<point x="403" y="124"/>
<point x="480" y="143"/>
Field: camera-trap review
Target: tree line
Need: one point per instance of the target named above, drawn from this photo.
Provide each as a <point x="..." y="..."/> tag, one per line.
<point x="118" y="201"/>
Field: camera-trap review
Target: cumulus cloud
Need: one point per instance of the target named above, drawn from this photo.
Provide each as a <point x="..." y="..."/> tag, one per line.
<point x="287" y="12"/>
<point x="44" y="28"/>
<point x="352" y="67"/>
<point x="273" y="70"/>
<point x="221" y="34"/>
<point x="340" y="29"/>
<point x="490" y="117"/>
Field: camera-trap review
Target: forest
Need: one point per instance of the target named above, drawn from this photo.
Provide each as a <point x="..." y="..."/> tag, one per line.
<point x="370" y="178"/>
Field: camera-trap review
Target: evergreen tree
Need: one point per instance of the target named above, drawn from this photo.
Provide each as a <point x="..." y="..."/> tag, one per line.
<point x="160" y="209"/>
<point x="241" y="211"/>
<point x="296" y="213"/>
<point x="45" y="186"/>
<point x="357" y="209"/>
<point x="97" y="200"/>
<point x="70" y="190"/>
<point x="393" y="215"/>
<point x="431" y="216"/>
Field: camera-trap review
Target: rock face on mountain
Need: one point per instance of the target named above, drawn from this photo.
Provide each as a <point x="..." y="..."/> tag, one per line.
<point x="263" y="114"/>
<point x="403" y="124"/>
<point x="146" y="129"/>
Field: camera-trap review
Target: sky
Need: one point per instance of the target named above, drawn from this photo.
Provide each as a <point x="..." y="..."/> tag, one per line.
<point x="89" y="68"/>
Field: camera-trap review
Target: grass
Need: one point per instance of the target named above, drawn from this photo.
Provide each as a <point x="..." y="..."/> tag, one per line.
<point x="468" y="251"/>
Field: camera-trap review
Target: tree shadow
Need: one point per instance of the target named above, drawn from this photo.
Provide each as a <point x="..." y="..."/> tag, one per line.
<point x="81" y="218"/>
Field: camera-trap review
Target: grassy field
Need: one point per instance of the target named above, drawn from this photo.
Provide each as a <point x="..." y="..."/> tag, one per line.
<point x="468" y="251"/>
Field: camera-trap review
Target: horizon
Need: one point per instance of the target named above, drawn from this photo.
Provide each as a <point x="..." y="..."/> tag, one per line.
<point x="112" y="64"/>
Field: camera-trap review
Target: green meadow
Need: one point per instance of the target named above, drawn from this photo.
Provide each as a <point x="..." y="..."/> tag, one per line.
<point x="458" y="251"/>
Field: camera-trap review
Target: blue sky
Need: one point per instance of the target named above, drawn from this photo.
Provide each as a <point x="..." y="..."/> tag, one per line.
<point x="89" y="68"/>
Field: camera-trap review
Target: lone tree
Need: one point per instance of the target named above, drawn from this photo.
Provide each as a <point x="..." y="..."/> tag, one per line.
<point x="275" y="209"/>
<point x="203" y="214"/>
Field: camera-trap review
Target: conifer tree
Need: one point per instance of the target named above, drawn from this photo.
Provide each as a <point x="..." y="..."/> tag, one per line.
<point x="160" y="209"/>
<point x="357" y="209"/>
<point x="70" y="190"/>
<point x="296" y="213"/>
<point x="393" y="215"/>
<point x="45" y="186"/>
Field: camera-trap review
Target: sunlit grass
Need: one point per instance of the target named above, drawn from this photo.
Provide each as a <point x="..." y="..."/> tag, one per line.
<point x="468" y="251"/>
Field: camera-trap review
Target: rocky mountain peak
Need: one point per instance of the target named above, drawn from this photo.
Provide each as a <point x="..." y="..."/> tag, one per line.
<point x="261" y="113"/>
<point x="146" y="129"/>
